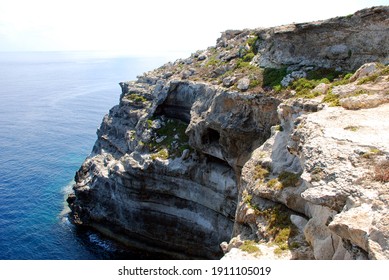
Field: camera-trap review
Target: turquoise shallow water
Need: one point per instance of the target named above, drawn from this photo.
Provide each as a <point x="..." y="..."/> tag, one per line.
<point x="50" y="107"/>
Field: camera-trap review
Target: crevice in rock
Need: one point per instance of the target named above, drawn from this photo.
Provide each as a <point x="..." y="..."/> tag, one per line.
<point x="181" y="113"/>
<point x="210" y="137"/>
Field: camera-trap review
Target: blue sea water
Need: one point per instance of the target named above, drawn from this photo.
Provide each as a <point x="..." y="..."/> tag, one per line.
<point x="51" y="104"/>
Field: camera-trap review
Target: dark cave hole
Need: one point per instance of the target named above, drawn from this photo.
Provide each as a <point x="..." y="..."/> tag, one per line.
<point x="211" y="136"/>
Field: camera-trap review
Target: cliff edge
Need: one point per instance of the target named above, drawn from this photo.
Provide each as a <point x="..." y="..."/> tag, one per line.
<point x="272" y="144"/>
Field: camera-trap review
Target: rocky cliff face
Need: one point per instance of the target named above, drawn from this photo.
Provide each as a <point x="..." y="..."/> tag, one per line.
<point x="346" y="42"/>
<point x="163" y="174"/>
<point x="218" y="146"/>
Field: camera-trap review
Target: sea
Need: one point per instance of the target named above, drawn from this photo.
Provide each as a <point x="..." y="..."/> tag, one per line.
<point x="51" y="104"/>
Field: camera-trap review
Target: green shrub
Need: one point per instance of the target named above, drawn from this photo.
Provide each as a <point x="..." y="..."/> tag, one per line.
<point x="372" y="153"/>
<point x="254" y="83"/>
<point x="343" y="81"/>
<point x="294" y="245"/>
<point x="303" y="83"/>
<point x="307" y="93"/>
<point x="368" y="79"/>
<point x="278" y="251"/>
<point x="385" y="70"/>
<point x="277" y="219"/>
<point x="279" y="127"/>
<point x="250" y="246"/>
<point x="260" y="172"/>
<point x="162" y="154"/>
<point x="213" y="61"/>
<point x="247" y="198"/>
<point x="323" y="73"/>
<point x="273" y="76"/>
<point x="241" y="64"/>
<point x="252" y="41"/>
<point x="277" y="88"/>
<point x="288" y="179"/>
<point x="136" y="98"/>
<point x="331" y="99"/>
<point x="279" y="226"/>
<point x="248" y="57"/>
<point x="149" y="123"/>
<point x="274" y="184"/>
<point x="352" y="128"/>
<point x="283" y="236"/>
<point x="347" y="76"/>
<point x="285" y="179"/>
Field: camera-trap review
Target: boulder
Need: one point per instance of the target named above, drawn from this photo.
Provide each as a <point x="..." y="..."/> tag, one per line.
<point x="243" y="84"/>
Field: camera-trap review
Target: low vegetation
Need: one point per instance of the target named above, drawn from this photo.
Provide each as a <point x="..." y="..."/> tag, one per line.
<point x="288" y="179"/>
<point x="234" y="59"/>
<point x="317" y="174"/>
<point x="136" y="98"/>
<point x="352" y="128"/>
<point x="213" y="61"/>
<point x="332" y="99"/>
<point x="250" y="246"/>
<point x="274" y="184"/>
<point x="162" y="154"/>
<point x="381" y="171"/>
<point x="272" y="77"/>
<point x="279" y="227"/>
<point x="247" y="198"/>
<point x="170" y="140"/>
<point x="285" y="179"/>
<point x="260" y="172"/>
<point x="324" y="74"/>
<point x="383" y="70"/>
<point x="373" y="152"/>
<point x="252" y="43"/>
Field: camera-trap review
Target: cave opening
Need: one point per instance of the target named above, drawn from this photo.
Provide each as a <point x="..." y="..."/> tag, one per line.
<point x="211" y="136"/>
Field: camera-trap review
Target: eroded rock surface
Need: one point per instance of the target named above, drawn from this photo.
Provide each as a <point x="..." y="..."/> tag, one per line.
<point x="171" y="198"/>
<point x="358" y="39"/>
<point x="207" y="151"/>
<point x="337" y="192"/>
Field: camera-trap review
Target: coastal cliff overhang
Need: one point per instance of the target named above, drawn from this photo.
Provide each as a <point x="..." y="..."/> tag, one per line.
<point x="180" y="198"/>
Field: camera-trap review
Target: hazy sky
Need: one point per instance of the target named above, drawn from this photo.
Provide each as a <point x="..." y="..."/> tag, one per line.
<point x="149" y="26"/>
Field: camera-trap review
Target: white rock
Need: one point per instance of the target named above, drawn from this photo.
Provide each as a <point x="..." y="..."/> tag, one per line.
<point x="322" y="88"/>
<point x="298" y="221"/>
<point x="243" y="84"/>
<point x="365" y="70"/>
<point x="160" y="139"/>
<point x="363" y="101"/>
<point x="295" y="75"/>
<point x="156" y="124"/>
<point x="185" y="154"/>
<point x="229" y="81"/>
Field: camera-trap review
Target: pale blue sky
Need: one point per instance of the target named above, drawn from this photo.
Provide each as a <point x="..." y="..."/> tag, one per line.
<point x="149" y="26"/>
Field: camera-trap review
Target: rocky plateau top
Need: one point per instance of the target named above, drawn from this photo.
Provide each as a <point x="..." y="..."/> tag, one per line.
<point x="273" y="144"/>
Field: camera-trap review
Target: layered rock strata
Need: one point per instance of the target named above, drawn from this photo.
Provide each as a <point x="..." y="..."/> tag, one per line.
<point x="338" y="207"/>
<point x="203" y="151"/>
<point x="181" y="205"/>
<point x="346" y="42"/>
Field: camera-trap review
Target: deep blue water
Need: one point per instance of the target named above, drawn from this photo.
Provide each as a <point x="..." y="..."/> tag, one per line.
<point x="50" y="107"/>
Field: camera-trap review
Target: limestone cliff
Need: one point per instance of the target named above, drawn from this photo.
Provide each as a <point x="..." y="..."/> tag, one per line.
<point x="226" y="144"/>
